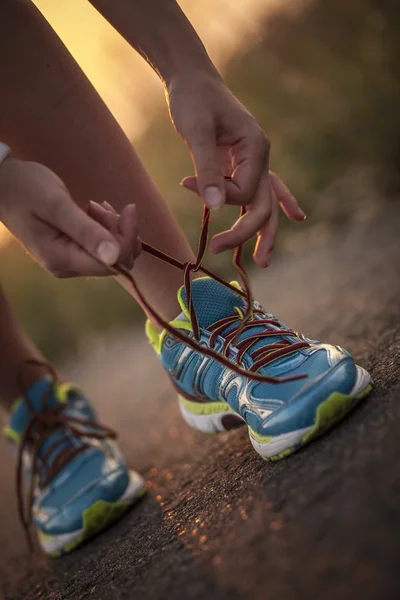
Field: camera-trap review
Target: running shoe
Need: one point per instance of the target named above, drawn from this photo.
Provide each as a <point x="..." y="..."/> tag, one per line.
<point x="304" y="387"/>
<point x="77" y="478"/>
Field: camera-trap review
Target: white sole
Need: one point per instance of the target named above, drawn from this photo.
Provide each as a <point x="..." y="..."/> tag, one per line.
<point x="209" y="417"/>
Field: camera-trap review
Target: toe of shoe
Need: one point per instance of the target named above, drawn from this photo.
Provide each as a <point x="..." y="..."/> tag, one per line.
<point x="63" y="506"/>
<point x="299" y="412"/>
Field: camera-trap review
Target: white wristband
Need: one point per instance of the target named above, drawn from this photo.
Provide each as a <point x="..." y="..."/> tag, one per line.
<point x="4" y="151"/>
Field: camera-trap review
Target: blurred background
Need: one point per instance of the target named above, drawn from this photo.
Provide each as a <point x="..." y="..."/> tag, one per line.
<point x="321" y="76"/>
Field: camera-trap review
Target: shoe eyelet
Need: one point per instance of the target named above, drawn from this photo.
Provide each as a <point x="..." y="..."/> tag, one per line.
<point x="169" y="343"/>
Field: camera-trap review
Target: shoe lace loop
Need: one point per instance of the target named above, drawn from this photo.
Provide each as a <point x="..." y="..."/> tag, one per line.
<point x="273" y="352"/>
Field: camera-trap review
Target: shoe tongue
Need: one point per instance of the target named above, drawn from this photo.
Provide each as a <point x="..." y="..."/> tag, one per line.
<point x="39" y="398"/>
<point x="42" y="395"/>
<point x="212" y="301"/>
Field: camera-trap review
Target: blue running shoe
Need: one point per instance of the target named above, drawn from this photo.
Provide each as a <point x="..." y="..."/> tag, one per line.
<point x="281" y="417"/>
<point x="78" y="480"/>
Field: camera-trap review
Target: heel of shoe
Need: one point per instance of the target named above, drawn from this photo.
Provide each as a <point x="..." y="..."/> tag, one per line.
<point x="209" y="417"/>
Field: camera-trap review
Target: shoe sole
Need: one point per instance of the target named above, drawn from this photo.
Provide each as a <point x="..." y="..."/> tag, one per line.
<point x="218" y="417"/>
<point x="98" y="516"/>
<point x="328" y="413"/>
<point x="209" y="417"/>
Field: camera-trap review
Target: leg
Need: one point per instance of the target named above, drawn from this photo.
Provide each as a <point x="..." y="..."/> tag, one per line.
<point x="63" y="123"/>
<point x="15" y="349"/>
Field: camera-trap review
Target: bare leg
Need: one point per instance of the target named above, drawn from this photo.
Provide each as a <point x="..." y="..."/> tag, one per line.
<point x="15" y="349"/>
<point x="52" y="114"/>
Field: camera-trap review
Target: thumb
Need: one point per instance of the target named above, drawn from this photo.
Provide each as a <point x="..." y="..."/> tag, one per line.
<point x="90" y="235"/>
<point x="190" y="183"/>
<point x="210" y="180"/>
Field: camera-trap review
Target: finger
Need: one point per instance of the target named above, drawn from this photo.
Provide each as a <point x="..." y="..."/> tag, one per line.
<point x="190" y="183"/>
<point x="124" y="227"/>
<point x="137" y="249"/>
<point x="250" y="161"/>
<point x="129" y="235"/>
<point x="225" y="162"/>
<point x="266" y="238"/>
<point x="68" y="259"/>
<point x="67" y="217"/>
<point x="108" y="219"/>
<point x="247" y="225"/>
<point x="286" y="199"/>
<point x="64" y="258"/>
<point x="210" y="180"/>
<point x="232" y="195"/>
<point x="108" y="207"/>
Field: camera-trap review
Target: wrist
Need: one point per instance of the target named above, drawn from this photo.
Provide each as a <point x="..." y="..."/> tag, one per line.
<point x="161" y="33"/>
<point x="194" y="79"/>
<point x="191" y="64"/>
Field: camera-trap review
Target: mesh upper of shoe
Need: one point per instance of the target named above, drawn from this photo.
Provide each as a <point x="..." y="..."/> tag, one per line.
<point x="213" y="301"/>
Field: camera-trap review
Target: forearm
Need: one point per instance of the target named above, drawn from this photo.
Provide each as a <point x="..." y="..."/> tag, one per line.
<point x="50" y="113"/>
<point x="161" y="33"/>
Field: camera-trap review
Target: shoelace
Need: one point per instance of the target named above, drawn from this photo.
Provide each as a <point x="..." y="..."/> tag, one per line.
<point x="41" y="426"/>
<point x="45" y="423"/>
<point x="264" y="357"/>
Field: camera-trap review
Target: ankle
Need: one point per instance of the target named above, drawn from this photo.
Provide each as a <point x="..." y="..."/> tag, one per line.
<point x="26" y="375"/>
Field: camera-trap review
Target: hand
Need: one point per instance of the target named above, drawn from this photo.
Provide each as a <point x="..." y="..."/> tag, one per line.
<point x="225" y="140"/>
<point x="36" y="207"/>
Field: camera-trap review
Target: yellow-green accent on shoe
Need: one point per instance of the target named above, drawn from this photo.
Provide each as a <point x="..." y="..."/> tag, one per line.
<point x="96" y="518"/>
<point x="328" y="413"/>
<point x="61" y="392"/>
<point x="334" y="409"/>
<point x="205" y="408"/>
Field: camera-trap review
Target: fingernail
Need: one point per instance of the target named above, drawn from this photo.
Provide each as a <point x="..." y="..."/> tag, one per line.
<point x="301" y="212"/>
<point x="213" y="197"/>
<point x="107" y="252"/>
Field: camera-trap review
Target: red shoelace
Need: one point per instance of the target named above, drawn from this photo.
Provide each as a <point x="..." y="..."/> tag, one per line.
<point x="263" y="356"/>
<point x="45" y="423"/>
